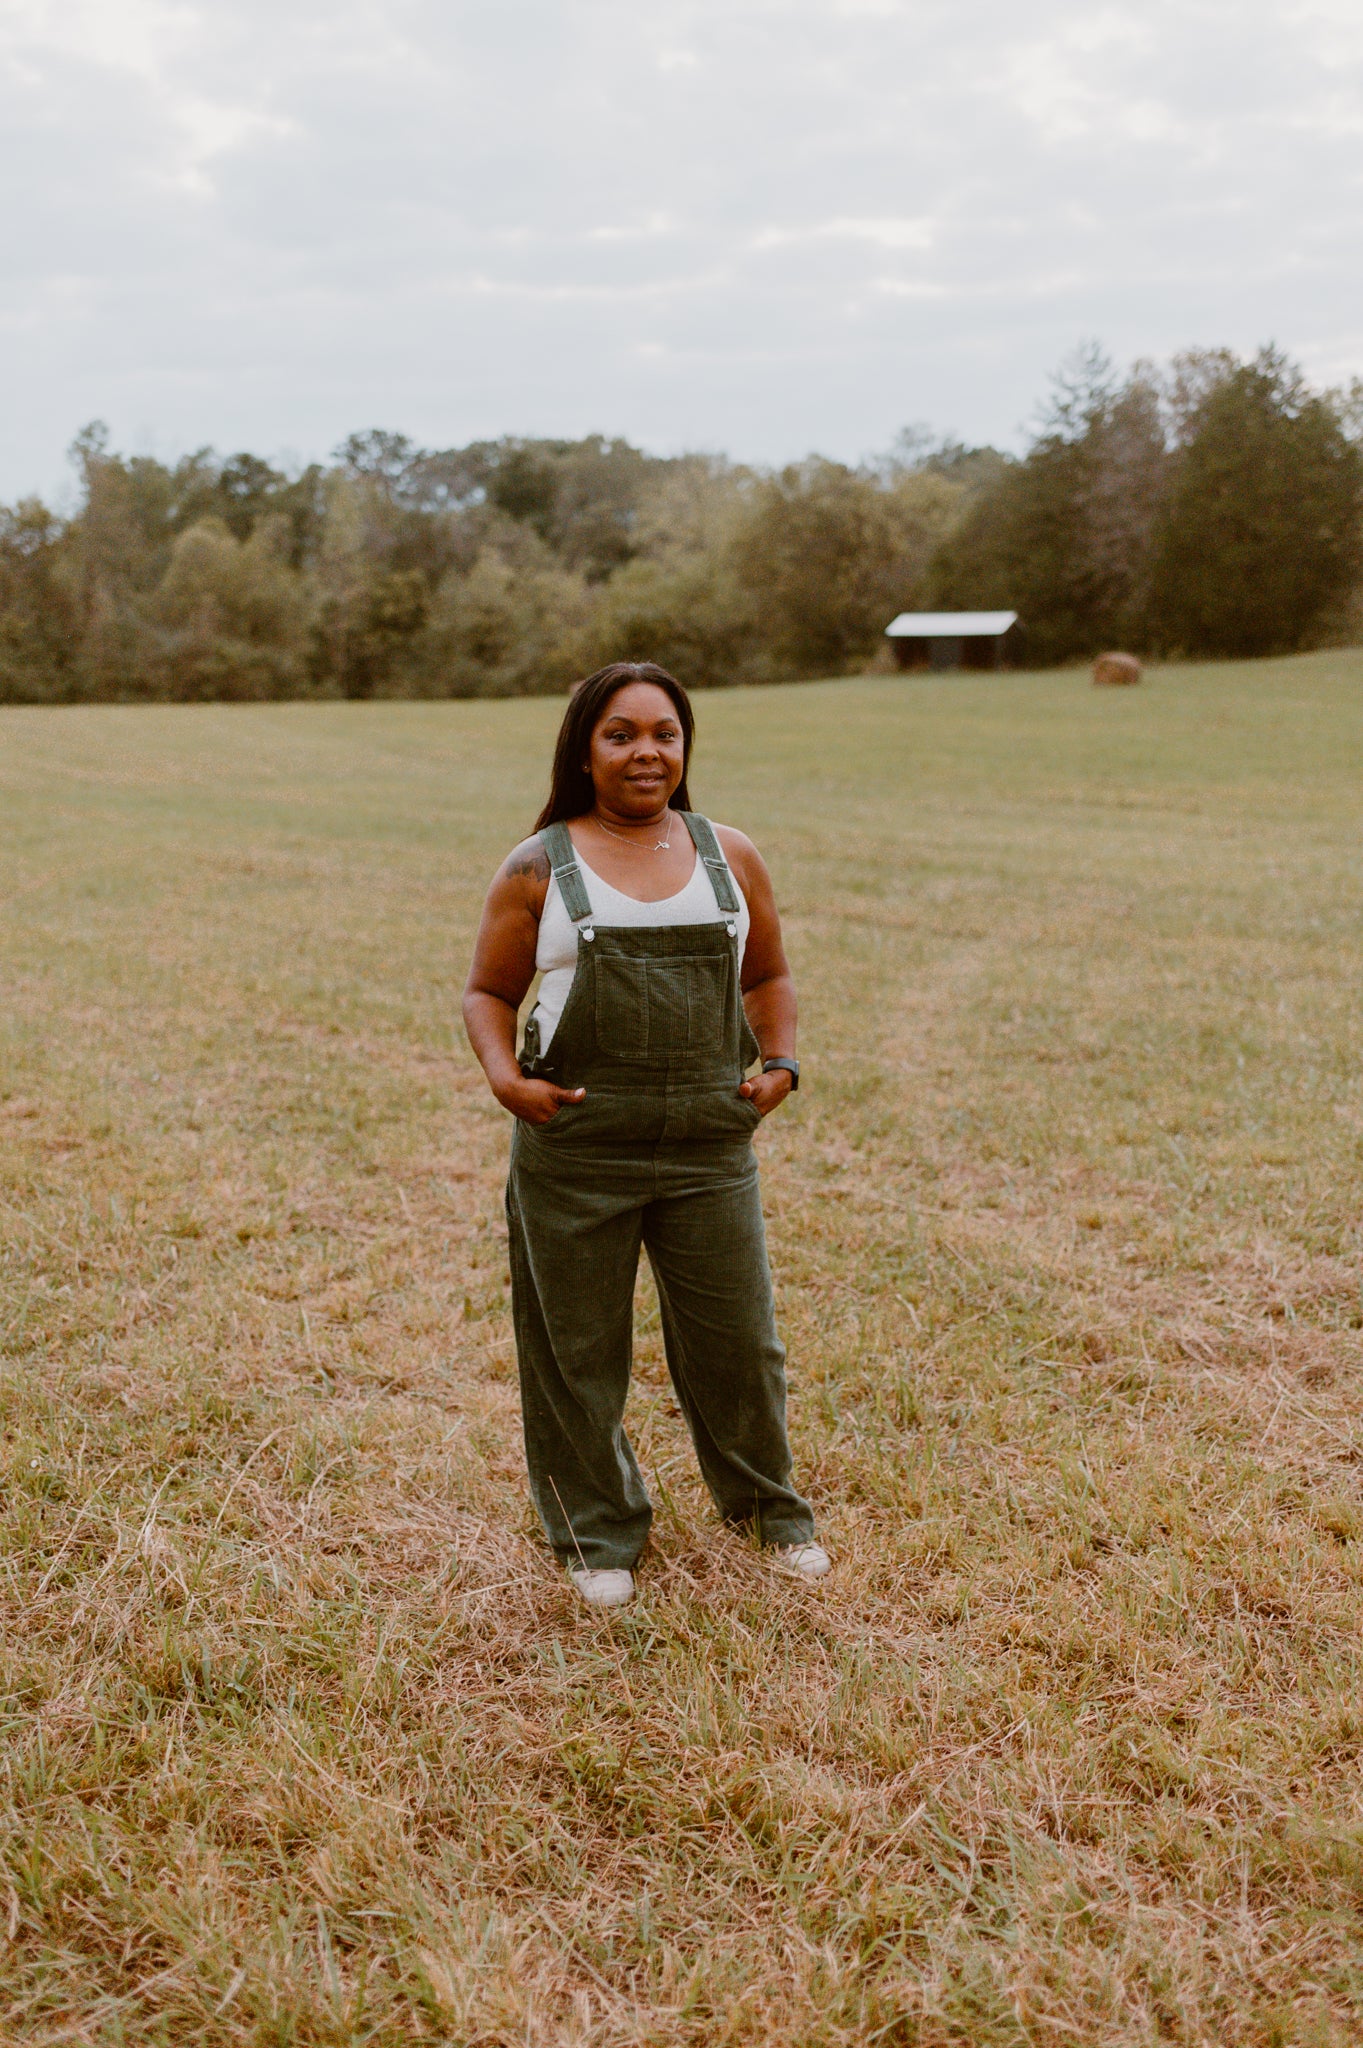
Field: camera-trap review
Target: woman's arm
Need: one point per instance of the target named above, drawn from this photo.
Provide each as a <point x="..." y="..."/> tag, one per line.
<point x="768" y="986"/>
<point x="502" y="970"/>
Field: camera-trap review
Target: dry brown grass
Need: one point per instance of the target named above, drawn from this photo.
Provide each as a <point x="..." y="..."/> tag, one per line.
<point x="305" y="1739"/>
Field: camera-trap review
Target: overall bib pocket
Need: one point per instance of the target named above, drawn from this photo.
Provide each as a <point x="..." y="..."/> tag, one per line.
<point x="655" y="1009"/>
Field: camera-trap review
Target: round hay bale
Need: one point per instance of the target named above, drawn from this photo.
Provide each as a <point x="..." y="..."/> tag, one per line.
<point x="1116" y="669"/>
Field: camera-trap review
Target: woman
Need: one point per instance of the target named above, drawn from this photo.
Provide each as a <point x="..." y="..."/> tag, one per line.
<point x="664" y="976"/>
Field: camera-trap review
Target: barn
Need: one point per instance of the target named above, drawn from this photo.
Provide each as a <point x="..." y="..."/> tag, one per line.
<point x="950" y="639"/>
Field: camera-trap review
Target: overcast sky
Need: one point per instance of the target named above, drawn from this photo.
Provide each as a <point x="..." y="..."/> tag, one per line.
<point x="763" y="226"/>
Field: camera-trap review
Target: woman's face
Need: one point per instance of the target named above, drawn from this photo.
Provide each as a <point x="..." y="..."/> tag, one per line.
<point x="637" y="757"/>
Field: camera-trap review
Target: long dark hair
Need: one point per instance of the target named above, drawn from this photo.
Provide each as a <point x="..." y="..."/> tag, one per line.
<point x="571" y="793"/>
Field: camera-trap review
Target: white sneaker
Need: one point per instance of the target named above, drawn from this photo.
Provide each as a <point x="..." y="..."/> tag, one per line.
<point x="802" y="1560"/>
<point x="602" y="1588"/>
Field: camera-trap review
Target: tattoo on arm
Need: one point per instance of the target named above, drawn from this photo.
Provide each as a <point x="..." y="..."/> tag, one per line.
<point x="536" y="864"/>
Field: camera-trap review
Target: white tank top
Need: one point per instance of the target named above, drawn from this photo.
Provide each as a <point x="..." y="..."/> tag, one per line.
<point x="556" y="952"/>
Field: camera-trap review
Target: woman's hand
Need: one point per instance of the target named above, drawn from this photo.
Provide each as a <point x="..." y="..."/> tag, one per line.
<point x="535" y="1102"/>
<point x="765" y="1091"/>
<point x="768" y="991"/>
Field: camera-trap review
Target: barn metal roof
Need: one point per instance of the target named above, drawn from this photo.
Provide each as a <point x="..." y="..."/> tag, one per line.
<point x="948" y="625"/>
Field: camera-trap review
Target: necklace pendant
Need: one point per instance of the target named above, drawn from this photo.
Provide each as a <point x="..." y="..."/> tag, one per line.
<point x="662" y="845"/>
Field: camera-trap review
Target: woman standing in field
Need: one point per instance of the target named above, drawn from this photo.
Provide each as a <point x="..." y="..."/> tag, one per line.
<point x="664" y="977"/>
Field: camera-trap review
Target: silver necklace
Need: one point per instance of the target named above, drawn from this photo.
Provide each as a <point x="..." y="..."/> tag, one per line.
<point x="658" y="846"/>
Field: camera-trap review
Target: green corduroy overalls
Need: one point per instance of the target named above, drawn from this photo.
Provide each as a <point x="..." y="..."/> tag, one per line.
<point x="658" y="1153"/>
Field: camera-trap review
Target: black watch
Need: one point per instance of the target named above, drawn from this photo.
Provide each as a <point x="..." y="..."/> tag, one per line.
<point x="791" y="1067"/>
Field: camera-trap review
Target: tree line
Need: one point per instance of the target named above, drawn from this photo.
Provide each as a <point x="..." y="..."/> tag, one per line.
<point x="1210" y="506"/>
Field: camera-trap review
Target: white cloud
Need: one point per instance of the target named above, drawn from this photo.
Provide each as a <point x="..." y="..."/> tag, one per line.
<point x="911" y="288"/>
<point x="882" y="234"/>
<point x="647" y="230"/>
<point x="766" y="224"/>
<point x="138" y="36"/>
<point x="1333" y="29"/>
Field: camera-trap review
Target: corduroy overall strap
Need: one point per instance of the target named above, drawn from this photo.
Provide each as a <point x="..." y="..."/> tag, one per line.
<point x="557" y="843"/>
<point x="707" y="846"/>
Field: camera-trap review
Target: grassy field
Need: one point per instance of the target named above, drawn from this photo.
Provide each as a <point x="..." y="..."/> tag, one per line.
<point x="305" y="1739"/>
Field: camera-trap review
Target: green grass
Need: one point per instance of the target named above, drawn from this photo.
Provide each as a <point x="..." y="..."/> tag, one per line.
<point x="305" y="1740"/>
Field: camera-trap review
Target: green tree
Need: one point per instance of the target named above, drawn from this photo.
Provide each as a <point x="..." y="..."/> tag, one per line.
<point x="680" y="601"/>
<point x="582" y="498"/>
<point x="1258" y="534"/>
<point x="516" y="624"/>
<point x="687" y="611"/>
<point x="1064" y="536"/>
<point x="828" y="554"/>
<point x="230" y="619"/>
<point x="39" y="617"/>
<point x="371" y="608"/>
